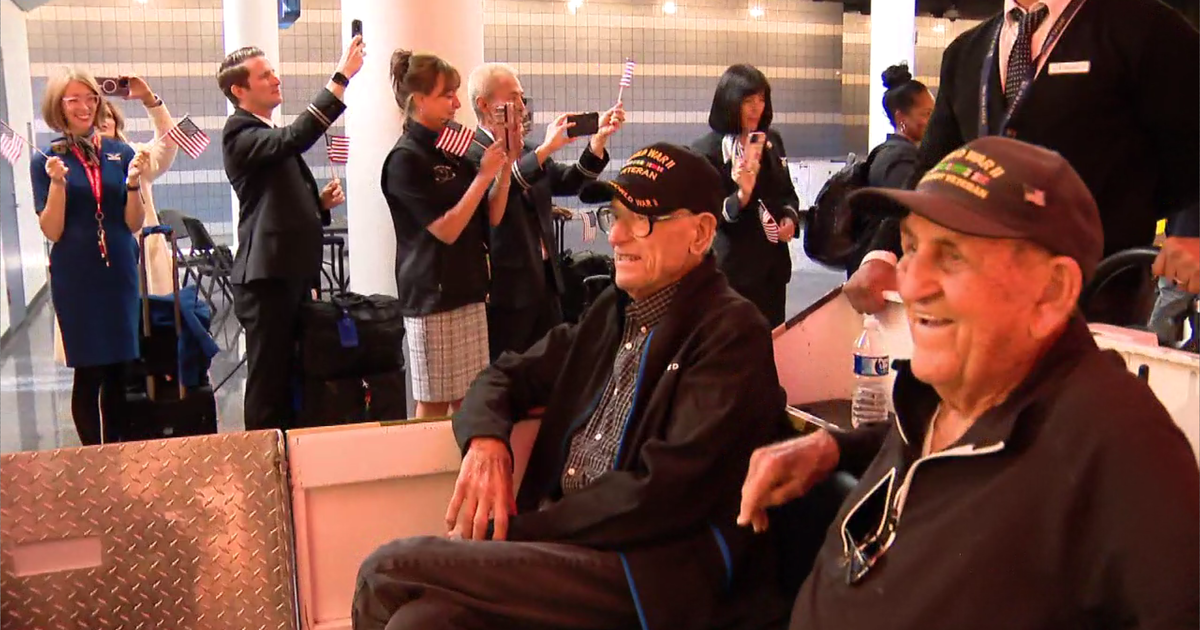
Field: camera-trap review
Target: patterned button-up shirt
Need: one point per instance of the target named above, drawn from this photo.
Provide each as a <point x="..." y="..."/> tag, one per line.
<point x="593" y="449"/>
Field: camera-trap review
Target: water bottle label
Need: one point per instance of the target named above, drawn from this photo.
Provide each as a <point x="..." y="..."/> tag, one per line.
<point x="871" y="366"/>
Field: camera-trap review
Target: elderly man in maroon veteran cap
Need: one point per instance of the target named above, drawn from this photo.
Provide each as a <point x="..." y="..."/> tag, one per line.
<point x="653" y="404"/>
<point x="1030" y="480"/>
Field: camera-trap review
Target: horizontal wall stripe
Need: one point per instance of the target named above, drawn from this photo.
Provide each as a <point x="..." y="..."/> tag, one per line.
<point x="865" y="79"/>
<point x="323" y="69"/>
<point x="215" y="123"/>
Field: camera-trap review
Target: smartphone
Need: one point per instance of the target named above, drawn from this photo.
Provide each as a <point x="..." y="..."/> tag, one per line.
<point x="754" y="147"/>
<point x="113" y="86"/>
<point x="506" y="123"/>
<point x="585" y="124"/>
<point x="355" y="28"/>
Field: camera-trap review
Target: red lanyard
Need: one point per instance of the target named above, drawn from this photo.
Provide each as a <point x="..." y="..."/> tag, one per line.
<point x="94" y="178"/>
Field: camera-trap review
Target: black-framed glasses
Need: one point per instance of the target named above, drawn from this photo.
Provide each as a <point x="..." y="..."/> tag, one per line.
<point x="639" y="225"/>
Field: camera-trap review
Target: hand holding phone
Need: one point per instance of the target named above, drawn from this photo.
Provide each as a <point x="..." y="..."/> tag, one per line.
<point x="584" y="124"/>
<point x="753" y="151"/>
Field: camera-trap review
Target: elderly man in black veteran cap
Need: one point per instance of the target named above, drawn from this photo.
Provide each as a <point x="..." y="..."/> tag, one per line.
<point x="1030" y="480"/>
<point x="653" y="404"/>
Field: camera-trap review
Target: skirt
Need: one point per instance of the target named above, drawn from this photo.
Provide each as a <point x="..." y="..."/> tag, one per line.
<point x="446" y="351"/>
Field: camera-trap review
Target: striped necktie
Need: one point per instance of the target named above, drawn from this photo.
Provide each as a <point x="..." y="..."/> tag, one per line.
<point x="1020" y="61"/>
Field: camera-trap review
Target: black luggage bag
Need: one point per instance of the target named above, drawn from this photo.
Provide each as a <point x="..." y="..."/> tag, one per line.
<point x="158" y="405"/>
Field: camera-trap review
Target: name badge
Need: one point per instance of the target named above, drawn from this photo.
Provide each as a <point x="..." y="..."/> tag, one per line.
<point x="1069" y="67"/>
<point x="114" y="157"/>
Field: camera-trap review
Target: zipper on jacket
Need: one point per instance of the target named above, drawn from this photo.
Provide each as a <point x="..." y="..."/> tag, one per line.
<point x="637" y="387"/>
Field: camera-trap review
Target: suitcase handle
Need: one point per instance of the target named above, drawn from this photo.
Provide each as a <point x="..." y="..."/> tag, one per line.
<point x="169" y="234"/>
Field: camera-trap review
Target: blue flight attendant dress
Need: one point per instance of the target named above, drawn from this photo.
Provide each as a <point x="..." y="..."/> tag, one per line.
<point x="95" y="291"/>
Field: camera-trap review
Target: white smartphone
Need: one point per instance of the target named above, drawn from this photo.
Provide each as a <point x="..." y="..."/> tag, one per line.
<point x="753" y="151"/>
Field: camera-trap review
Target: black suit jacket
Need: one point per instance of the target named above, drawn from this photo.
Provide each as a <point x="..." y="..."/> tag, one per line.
<point x="280" y="215"/>
<point x="743" y="251"/>
<point x="1130" y="126"/>
<point x="518" y="272"/>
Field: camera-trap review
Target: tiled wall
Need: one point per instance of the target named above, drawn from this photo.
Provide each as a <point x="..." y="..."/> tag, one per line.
<point x="568" y="61"/>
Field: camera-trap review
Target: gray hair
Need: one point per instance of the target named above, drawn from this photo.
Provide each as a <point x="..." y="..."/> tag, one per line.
<point x="479" y="84"/>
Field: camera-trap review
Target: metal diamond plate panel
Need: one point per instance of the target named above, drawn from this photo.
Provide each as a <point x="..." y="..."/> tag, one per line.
<point x="191" y="533"/>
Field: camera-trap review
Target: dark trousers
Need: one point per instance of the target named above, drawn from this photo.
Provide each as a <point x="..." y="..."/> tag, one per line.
<point x="269" y="310"/>
<point x="517" y="329"/>
<point x="98" y="392"/>
<point x="432" y="583"/>
<point x="770" y="298"/>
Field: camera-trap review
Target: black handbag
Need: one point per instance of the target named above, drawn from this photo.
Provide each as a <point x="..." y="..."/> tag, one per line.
<point x="351" y="335"/>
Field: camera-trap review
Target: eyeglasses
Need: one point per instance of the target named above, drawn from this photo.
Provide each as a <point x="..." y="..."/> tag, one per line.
<point x="639" y="225"/>
<point x="864" y="555"/>
<point x="74" y="101"/>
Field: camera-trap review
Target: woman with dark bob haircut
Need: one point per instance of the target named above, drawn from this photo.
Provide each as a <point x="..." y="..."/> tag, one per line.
<point x="759" y="216"/>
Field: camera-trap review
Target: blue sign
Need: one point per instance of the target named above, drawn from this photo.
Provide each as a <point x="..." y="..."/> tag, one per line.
<point x="289" y="12"/>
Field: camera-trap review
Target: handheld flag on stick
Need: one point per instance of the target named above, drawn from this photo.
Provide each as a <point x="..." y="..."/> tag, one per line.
<point x="189" y="137"/>
<point x="338" y="148"/>
<point x="12" y="144"/>
<point x="626" y="77"/>
<point x="770" y="227"/>
<point x="589" y="226"/>
<point x="455" y="139"/>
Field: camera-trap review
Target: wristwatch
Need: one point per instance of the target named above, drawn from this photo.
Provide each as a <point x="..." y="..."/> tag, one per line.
<point x="157" y="102"/>
<point x="340" y="79"/>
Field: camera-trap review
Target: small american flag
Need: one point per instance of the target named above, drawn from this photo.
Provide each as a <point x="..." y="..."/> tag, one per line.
<point x="589" y="226"/>
<point x="338" y="148"/>
<point x="770" y="227"/>
<point x="455" y="139"/>
<point x="627" y="73"/>
<point x="189" y="137"/>
<point x="11" y="147"/>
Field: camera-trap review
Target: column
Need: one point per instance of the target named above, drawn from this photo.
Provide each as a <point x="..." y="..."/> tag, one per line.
<point x="454" y="32"/>
<point x="893" y="38"/>
<point x="27" y="249"/>
<point x="251" y="23"/>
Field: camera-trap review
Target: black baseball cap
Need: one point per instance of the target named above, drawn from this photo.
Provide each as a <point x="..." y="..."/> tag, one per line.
<point x="660" y="179"/>
<point x="998" y="187"/>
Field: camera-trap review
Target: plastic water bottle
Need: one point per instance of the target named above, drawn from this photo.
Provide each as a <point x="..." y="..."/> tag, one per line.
<point x="871" y="366"/>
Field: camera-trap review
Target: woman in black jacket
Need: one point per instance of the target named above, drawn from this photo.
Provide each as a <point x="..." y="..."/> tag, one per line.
<point x="908" y="105"/>
<point x="441" y="206"/>
<point x="759" y="217"/>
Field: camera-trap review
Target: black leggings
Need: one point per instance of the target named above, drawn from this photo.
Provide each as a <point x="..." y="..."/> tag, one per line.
<point x="98" y="390"/>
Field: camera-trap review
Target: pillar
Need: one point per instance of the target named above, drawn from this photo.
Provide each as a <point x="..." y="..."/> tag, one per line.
<point x="893" y="40"/>
<point x="23" y="246"/>
<point x="454" y="32"/>
<point x="251" y="23"/>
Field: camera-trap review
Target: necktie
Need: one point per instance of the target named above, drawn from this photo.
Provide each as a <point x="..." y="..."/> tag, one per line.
<point x="1020" y="61"/>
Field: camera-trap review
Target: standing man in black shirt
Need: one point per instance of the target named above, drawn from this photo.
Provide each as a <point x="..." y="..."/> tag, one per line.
<point x="280" y="218"/>
<point x="526" y="282"/>
<point x="1109" y="84"/>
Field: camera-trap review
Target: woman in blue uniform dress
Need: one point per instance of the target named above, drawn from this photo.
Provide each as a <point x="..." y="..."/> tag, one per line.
<point x="86" y="193"/>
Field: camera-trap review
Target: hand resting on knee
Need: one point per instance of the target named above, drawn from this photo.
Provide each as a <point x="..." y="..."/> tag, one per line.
<point x="483" y="492"/>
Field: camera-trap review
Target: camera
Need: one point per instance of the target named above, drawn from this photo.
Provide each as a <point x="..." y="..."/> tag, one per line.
<point x="113" y="86"/>
<point x="507" y="122"/>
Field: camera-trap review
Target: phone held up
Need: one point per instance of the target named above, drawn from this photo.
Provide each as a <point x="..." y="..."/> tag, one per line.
<point x="113" y="86"/>
<point x="355" y="28"/>
<point x="507" y="122"/>
<point x="585" y="124"/>
<point x="752" y="154"/>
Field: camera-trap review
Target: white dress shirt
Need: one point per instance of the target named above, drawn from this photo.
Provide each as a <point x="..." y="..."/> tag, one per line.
<point x="1008" y="34"/>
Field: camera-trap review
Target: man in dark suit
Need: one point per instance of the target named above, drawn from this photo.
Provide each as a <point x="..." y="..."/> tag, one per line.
<point x="1109" y="84"/>
<point x="526" y="284"/>
<point x="281" y="215"/>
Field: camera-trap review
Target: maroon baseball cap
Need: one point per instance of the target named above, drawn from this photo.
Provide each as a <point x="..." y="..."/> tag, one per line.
<point x="997" y="187"/>
<point x="660" y="179"/>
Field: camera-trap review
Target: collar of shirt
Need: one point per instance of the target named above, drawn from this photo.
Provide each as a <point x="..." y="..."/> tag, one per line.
<point x="486" y="132"/>
<point x="270" y="123"/>
<point x="649" y="311"/>
<point x="424" y="135"/>
<point x="1008" y="34"/>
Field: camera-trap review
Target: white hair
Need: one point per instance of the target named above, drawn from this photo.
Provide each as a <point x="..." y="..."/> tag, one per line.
<point x="479" y="84"/>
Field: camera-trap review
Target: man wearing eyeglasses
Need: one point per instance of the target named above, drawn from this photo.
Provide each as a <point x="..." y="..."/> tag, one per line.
<point x="653" y="404"/>
<point x="1030" y="481"/>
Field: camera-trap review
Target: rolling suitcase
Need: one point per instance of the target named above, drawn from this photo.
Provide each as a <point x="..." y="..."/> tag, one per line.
<point x="163" y="406"/>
